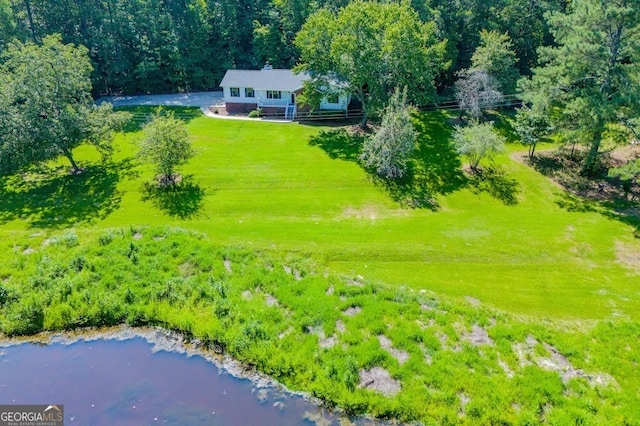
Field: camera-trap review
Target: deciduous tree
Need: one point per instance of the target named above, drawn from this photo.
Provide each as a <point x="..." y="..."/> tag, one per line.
<point x="372" y="48"/>
<point x="477" y="141"/>
<point x="496" y="56"/>
<point x="46" y="109"/>
<point x="476" y="91"/>
<point x="389" y="150"/>
<point x="532" y="126"/>
<point x="165" y="143"/>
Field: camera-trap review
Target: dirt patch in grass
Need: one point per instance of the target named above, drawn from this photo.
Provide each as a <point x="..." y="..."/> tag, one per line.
<point x="628" y="255"/>
<point x="557" y="362"/>
<point x="378" y="379"/>
<point x="478" y="336"/>
<point x="227" y="266"/>
<point x="292" y="271"/>
<point x="565" y="169"/>
<point x="464" y="400"/>
<point x="358" y="281"/>
<point x="472" y="301"/>
<point x="354" y="310"/>
<point x="187" y="269"/>
<point x="505" y="367"/>
<point x="270" y="300"/>
<point x="366" y="212"/>
<point x="323" y="341"/>
<point x="387" y="345"/>
<point x="137" y="236"/>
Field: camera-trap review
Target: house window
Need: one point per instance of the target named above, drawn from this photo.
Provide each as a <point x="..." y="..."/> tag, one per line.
<point x="333" y="99"/>
<point x="248" y="93"/>
<point x="235" y="92"/>
<point x="274" y="94"/>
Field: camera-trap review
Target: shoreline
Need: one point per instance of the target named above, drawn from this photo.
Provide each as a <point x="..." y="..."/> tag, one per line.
<point x="162" y="340"/>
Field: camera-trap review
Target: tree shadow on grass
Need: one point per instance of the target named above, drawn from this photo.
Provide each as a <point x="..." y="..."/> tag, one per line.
<point x="49" y="197"/>
<point x="503" y="125"/>
<point x="339" y="144"/>
<point x="620" y="209"/>
<point x="182" y="200"/>
<point x="495" y="182"/>
<point x="436" y="164"/>
<point x="434" y="168"/>
<point x="599" y="194"/>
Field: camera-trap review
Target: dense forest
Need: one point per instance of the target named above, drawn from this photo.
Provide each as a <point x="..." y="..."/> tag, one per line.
<point x="153" y="46"/>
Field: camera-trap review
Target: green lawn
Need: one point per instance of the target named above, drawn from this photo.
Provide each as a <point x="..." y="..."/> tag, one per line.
<point x="291" y="235"/>
<point x="264" y="185"/>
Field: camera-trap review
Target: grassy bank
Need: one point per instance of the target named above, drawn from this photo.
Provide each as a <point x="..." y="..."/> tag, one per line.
<point x="513" y="240"/>
<point x="447" y="361"/>
<point x="485" y="299"/>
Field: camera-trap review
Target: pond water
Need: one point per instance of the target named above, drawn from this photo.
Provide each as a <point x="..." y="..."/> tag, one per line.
<point x="126" y="382"/>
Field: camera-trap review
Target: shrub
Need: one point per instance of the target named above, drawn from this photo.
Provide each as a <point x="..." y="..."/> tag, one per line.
<point x="256" y="113"/>
<point x="105" y="238"/>
<point x="27" y="318"/>
<point x="70" y="239"/>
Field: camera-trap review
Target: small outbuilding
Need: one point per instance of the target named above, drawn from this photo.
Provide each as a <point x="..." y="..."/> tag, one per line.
<point x="274" y="91"/>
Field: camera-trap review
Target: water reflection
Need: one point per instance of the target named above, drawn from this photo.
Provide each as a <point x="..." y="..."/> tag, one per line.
<point x="104" y="382"/>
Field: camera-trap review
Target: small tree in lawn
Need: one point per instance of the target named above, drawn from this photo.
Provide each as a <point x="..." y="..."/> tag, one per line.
<point x="166" y="144"/>
<point x="388" y="151"/>
<point x="477" y="141"/>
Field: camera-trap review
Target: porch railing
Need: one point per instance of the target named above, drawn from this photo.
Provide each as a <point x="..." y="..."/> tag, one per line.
<point x="273" y="102"/>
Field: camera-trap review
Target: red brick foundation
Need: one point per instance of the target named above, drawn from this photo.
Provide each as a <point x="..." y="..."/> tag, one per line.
<point x="273" y="112"/>
<point x="240" y="108"/>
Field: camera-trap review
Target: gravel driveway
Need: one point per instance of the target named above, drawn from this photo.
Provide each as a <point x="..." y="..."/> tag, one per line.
<point x="198" y="99"/>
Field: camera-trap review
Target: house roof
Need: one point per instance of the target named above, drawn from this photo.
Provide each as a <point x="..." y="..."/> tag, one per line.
<point x="265" y="79"/>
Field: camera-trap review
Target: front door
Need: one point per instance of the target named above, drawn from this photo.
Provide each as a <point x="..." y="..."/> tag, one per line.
<point x="293" y="98"/>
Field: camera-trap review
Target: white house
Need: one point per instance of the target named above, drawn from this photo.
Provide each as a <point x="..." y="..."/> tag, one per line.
<point x="275" y="91"/>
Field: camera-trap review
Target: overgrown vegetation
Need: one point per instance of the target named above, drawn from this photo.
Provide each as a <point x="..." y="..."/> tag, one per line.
<point x="455" y="361"/>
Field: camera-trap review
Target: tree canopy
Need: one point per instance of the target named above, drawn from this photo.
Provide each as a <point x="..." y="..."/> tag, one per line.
<point x="372" y="48"/>
<point x="496" y="56"/>
<point x="588" y="83"/>
<point x="157" y="46"/>
<point x="46" y="109"/>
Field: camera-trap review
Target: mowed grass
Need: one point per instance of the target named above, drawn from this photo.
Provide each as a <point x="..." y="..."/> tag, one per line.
<point x="509" y="240"/>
